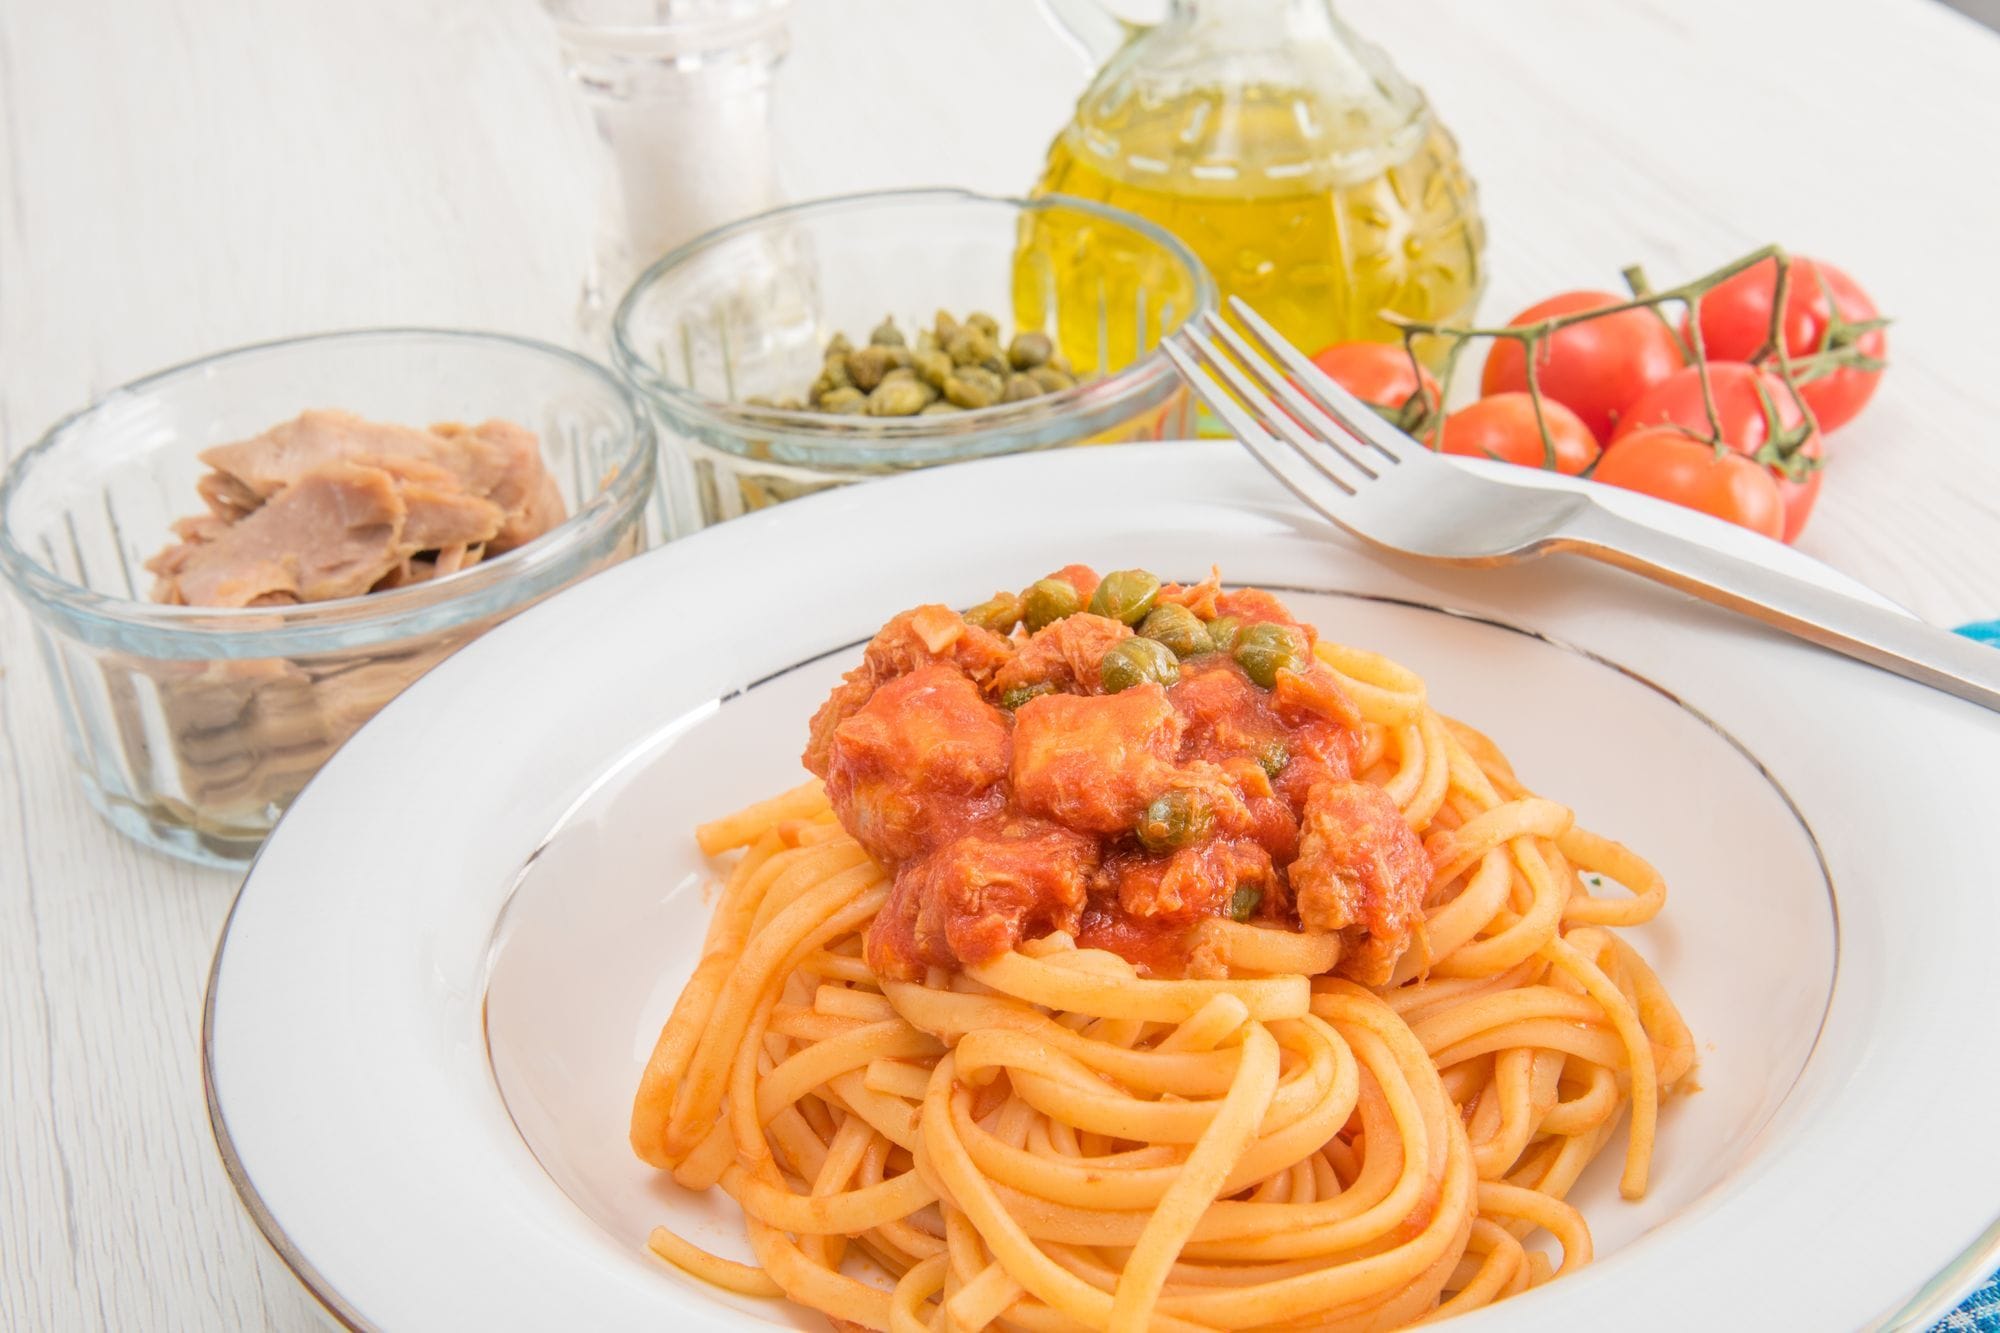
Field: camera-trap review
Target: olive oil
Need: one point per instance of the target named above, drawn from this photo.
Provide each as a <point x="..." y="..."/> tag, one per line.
<point x="1321" y="218"/>
<point x="1105" y="289"/>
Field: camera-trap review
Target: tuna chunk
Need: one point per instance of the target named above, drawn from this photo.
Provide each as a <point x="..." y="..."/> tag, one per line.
<point x="914" y="639"/>
<point x="1066" y="654"/>
<point x="495" y="460"/>
<point x="920" y="760"/>
<point x="333" y="533"/>
<point x="441" y="512"/>
<point x="227" y="498"/>
<point x="265" y="464"/>
<point x="376" y="506"/>
<point x="1093" y="762"/>
<point x="978" y="896"/>
<point x="510" y="460"/>
<point x="1360" y="872"/>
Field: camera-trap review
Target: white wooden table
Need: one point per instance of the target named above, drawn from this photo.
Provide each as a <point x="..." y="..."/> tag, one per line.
<point x="187" y="175"/>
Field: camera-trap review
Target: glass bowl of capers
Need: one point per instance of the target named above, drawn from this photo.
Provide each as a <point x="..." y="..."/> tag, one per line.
<point x="834" y="341"/>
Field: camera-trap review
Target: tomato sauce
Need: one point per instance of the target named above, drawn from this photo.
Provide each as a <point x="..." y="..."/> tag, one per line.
<point x="1017" y="783"/>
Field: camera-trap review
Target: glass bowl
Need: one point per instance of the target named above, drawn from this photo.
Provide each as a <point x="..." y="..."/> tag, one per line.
<point x="746" y="311"/>
<point x="192" y="727"/>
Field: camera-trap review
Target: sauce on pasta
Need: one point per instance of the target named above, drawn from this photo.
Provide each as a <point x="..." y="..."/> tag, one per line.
<point x="1145" y="962"/>
<point x="1166" y="754"/>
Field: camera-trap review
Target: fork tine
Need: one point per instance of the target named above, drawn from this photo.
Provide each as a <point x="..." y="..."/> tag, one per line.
<point x="1272" y="419"/>
<point x="1195" y="364"/>
<point x="1333" y="400"/>
<point x="1305" y="425"/>
<point x="1319" y="492"/>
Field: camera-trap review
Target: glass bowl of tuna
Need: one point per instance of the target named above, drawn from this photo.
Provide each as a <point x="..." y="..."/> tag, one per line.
<point x="233" y="564"/>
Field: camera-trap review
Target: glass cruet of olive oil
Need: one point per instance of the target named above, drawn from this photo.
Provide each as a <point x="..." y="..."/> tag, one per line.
<point x="1310" y="177"/>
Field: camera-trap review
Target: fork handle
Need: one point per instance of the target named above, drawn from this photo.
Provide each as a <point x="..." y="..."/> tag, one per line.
<point x="1886" y="639"/>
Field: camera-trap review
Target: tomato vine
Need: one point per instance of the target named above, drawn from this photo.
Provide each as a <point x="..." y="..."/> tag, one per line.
<point x="1424" y="416"/>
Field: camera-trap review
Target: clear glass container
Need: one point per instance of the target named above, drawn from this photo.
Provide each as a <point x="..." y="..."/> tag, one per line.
<point x="192" y="728"/>
<point x="747" y="310"/>
<point x="679" y="94"/>
<point x="1312" y="178"/>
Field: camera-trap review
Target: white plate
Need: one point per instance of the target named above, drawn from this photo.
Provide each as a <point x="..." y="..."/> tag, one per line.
<point x="434" y="995"/>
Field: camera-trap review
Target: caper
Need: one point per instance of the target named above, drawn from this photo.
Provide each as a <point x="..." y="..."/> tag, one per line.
<point x="933" y="368"/>
<point x="1273" y="758"/>
<point x="970" y="347"/>
<point x="1126" y="594"/>
<point x="1264" y="650"/>
<point x="899" y="398"/>
<point x="867" y="365"/>
<point x="1020" y="694"/>
<point x="1223" y="631"/>
<point x="963" y="347"/>
<point x="1029" y="349"/>
<point x="1244" y="902"/>
<point x="1051" y="379"/>
<point x="1174" y="819"/>
<point x="963" y="363"/>
<point x="1135" y="661"/>
<point x="1047" y="601"/>
<point x="999" y="613"/>
<point x="1178" y="628"/>
<point x="1018" y="389"/>
<point x="973" y="386"/>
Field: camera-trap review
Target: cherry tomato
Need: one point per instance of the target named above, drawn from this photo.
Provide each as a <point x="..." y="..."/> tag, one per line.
<point x="1820" y="303"/>
<point x="1596" y="368"/>
<point x="1379" y="374"/>
<point x="1747" y="403"/>
<point x="1503" y="427"/>
<point x="1665" y="463"/>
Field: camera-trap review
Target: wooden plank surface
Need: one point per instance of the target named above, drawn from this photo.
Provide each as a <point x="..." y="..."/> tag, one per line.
<point x="187" y="175"/>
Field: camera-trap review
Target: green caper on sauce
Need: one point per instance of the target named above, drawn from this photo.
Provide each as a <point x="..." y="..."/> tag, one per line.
<point x="1167" y="633"/>
<point x="1135" y="661"/>
<point x="1126" y="595"/>
<point x="1175" y="819"/>
<point x="1048" y="600"/>
<point x="1266" y="649"/>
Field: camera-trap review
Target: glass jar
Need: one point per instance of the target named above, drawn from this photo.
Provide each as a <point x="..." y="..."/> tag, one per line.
<point x="1310" y="177"/>
<point x="679" y="93"/>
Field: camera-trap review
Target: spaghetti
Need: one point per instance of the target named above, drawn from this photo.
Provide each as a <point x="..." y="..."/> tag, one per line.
<point x="1056" y="1137"/>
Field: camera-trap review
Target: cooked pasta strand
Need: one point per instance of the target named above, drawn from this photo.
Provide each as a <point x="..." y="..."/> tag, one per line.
<point x="1057" y="1139"/>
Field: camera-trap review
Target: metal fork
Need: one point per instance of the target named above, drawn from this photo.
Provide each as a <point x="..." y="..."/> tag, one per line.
<point x="1345" y="461"/>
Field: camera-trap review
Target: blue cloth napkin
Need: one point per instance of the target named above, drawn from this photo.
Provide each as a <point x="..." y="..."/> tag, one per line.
<point x="1981" y="1311"/>
<point x="1979" y="1314"/>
